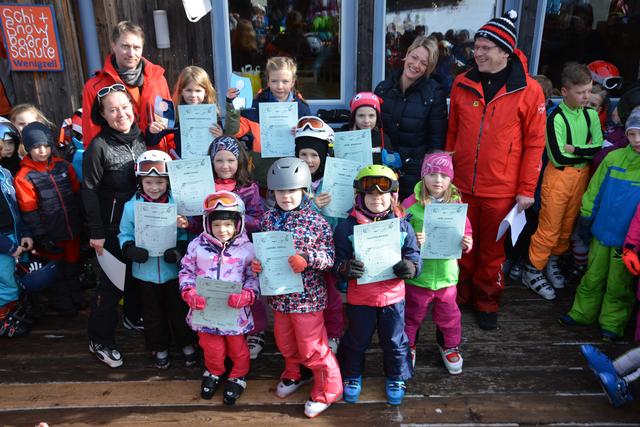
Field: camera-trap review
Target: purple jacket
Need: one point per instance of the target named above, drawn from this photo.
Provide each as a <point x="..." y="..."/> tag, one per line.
<point x="231" y="262"/>
<point x="312" y="235"/>
<point x="615" y="138"/>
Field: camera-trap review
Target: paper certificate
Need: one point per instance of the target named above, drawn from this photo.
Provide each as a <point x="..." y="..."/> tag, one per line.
<point x="377" y="245"/>
<point x="156" y="229"/>
<point x="354" y="145"/>
<point x="273" y="249"/>
<point x="191" y="181"/>
<point x="195" y="121"/>
<point x="216" y="314"/>
<point x="338" y="181"/>
<point x="443" y="229"/>
<point x="114" y="268"/>
<point x="514" y="219"/>
<point x="276" y="121"/>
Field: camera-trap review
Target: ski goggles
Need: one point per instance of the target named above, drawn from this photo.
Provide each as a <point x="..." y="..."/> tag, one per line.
<point x="118" y="87"/>
<point x="214" y="200"/>
<point x="370" y="183"/>
<point x="147" y="167"/>
<point x="313" y="123"/>
<point x="609" y="83"/>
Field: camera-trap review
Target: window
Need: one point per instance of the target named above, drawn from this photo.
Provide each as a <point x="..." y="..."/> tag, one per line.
<point x="319" y="34"/>
<point x="398" y="22"/>
<point x="586" y="31"/>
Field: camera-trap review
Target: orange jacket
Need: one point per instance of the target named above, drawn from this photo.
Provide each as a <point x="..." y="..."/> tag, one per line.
<point x="154" y="84"/>
<point x="497" y="146"/>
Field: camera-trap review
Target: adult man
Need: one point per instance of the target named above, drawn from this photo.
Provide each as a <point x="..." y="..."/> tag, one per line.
<point x="497" y="133"/>
<point x="141" y="78"/>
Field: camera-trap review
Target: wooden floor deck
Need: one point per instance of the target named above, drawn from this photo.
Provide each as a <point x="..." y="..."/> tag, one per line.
<point x="529" y="372"/>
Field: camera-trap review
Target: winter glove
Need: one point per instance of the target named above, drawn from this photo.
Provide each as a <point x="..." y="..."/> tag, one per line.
<point x="193" y="300"/>
<point x="351" y="269"/>
<point x="244" y="298"/>
<point x="583" y="230"/>
<point x="49" y="246"/>
<point x="405" y="269"/>
<point x="133" y="253"/>
<point x="630" y="259"/>
<point x="298" y="262"/>
<point x="256" y="266"/>
<point x="172" y="255"/>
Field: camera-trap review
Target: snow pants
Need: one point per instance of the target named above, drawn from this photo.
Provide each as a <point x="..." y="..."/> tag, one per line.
<point x="217" y="347"/>
<point x="445" y="313"/>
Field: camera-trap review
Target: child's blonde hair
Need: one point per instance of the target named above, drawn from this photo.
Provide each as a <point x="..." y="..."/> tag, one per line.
<point x="597" y="89"/>
<point x="278" y="63"/>
<point x="197" y="75"/>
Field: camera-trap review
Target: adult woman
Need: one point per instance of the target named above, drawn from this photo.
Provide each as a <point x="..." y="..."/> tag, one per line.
<point x="109" y="181"/>
<point x="414" y="110"/>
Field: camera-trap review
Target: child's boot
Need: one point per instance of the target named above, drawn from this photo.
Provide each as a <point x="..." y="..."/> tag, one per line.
<point x="312" y="409"/>
<point x="161" y="359"/>
<point x="616" y="388"/>
<point x="598" y="361"/>
<point x="535" y="280"/>
<point x="351" y="389"/>
<point x="395" y="391"/>
<point x="554" y="273"/>
<point x="209" y="384"/>
<point x="256" y="344"/>
<point x="452" y="359"/>
<point x="233" y="388"/>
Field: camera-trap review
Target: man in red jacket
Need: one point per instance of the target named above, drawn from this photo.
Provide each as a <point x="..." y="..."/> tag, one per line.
<point x="125" y="65"/>
<point x="497" y="134"/>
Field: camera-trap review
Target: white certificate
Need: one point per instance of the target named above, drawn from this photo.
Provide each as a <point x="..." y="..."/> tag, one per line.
<point x="156" y="229"/>
<point x="354" y="145"/>
<point x="443" y="229"/>
<point x="276" y="121"/>
<point x="191" y="181"/>
<point x="273" y="249"/>
<point x="216" y="314"/>
<point x="114" y="268"/>
<point x="338" y="181"/>
<point x="378" y="246"/>
<point x="195" y="121"/>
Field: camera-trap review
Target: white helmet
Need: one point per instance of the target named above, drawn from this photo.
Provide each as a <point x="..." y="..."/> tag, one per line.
<point x="153" y="163"/>
<point x="314" y="127"/>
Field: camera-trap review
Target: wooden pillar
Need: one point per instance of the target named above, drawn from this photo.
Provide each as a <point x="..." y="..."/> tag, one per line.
<point x="364" y="59"/>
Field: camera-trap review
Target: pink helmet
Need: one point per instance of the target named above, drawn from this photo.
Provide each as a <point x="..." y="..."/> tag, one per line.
<point x="365" y="99"/>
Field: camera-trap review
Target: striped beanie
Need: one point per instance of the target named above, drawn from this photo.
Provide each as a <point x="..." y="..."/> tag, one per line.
<point x="501" y="31"/>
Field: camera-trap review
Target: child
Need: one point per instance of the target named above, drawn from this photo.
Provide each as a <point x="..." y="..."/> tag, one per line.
<point x="10" y="138"/>
<point x="379" y="304"/>
<point x="599" y="101"/>
<point x="222" y="251"/>
<point x="193" y="87"/>
<point x="606" y="290"/>
<point x="630" y="256"/>
<point x="14" y="240"/>
<point x="156" y="277"/>
<point x="48" y="194"/>
<point x="281" y="79"/>
<point x="615" y="376"/>
<point x="574" y="136"/>
<point x="298" y="318"/>
<point x="313" y="137"/>
<point x="231" y="173"/>
<point x="23" y="114"/>
<point x="439" y="277"/>
<point x="366" y="114"/>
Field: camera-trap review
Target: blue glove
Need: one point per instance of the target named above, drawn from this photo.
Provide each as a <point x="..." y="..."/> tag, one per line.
<point x="583" y="229"/>
<point x="390" y="159"/>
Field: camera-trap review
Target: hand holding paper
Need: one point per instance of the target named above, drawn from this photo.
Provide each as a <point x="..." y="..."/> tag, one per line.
<point x="516" y="219"/>
<point x="193" y="300"/>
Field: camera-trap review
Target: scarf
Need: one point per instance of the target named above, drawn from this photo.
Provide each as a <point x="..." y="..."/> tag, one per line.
<point x="121" y="137"/>
<point x="162" y="199"/>
<point x="133" y="77"/>
<point x="227" y="184"/>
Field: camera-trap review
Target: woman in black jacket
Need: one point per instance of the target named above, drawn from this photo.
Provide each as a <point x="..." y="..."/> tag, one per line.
<point x="109" y="182"/>
<point x="414" y="110"/>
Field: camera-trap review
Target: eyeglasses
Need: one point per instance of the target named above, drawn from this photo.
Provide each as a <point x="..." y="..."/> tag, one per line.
<point x="310" y="122"/>
<point x="381" y="183"/>
<point x="214" y="200"/>
<point x="108" y="89"/>
<point x="483" y="49"/>
<point x="146" y="167"/>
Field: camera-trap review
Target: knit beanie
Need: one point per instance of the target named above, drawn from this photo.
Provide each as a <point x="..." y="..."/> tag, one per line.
<point x="437" y="163"/>
<point x="633" y="122"/>
<point x="36" y="134"/>
<point x="226" y="143"/>
<point x="501" y="31"/>
<point x="320" y="146"/>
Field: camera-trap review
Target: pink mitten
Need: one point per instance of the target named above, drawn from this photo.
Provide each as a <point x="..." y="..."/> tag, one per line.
<point x="193" y="300"/>
<point x="244" y="298"/>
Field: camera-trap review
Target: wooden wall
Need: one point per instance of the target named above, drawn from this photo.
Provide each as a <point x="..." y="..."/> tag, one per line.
<point x="57" y="94"/>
